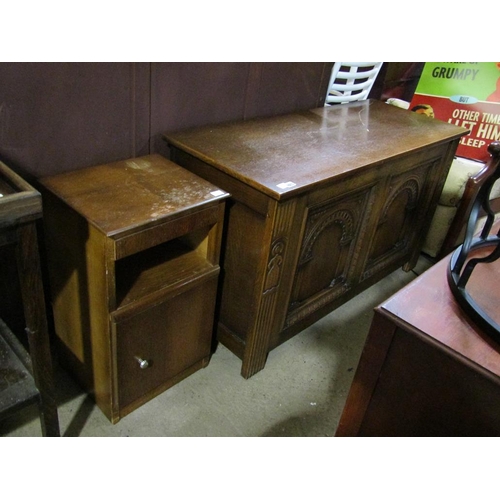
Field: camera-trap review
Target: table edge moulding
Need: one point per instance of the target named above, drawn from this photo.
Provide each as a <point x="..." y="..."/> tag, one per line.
<point x="134" y="250"/>
<point x="324" y="203"/>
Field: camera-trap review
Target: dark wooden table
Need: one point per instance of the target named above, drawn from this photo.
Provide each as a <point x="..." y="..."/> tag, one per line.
<point x="426" y="368"/>
<point x="26" y="370"/>
<point x="324" y="203"/>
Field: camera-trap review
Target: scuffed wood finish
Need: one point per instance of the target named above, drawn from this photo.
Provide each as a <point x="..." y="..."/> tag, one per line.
<point x="119" y="197"/>
<point x="324" y="203"/>
<point x="134" y="250"/>
<point x="427" y="369"/>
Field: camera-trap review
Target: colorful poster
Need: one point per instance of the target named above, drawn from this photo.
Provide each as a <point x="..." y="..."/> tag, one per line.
<point x="464" y="94"/>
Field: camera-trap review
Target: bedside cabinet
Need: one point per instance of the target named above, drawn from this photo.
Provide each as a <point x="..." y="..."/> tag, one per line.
<point x="133" y="253"/>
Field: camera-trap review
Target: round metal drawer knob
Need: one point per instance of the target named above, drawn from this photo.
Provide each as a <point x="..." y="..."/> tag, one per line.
<point x="143" y="363"/>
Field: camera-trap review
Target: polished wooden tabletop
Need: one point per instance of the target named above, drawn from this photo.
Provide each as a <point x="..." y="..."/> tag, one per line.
<point x="287" y="154"/>
<point x="428" y="305"/>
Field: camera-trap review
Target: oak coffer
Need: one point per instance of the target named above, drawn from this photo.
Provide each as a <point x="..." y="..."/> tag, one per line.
<point x="324" y="203"/>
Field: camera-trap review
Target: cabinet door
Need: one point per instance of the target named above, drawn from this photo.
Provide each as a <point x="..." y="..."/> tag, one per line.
<point x="405" y="202"/>
<point x="328" y="249"/>
<point x="159" y="343"/>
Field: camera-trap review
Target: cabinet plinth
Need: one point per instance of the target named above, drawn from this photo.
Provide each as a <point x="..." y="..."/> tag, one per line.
<point x="133" y="252"/>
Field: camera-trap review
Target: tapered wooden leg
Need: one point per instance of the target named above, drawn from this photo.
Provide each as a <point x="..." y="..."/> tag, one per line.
<point x="36" y="326"/>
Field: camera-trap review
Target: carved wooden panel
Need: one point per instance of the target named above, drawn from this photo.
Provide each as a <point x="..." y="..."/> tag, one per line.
<point x="327" y="254"/>
<point x="395" y="227"/>
<point x="278" y="263"/>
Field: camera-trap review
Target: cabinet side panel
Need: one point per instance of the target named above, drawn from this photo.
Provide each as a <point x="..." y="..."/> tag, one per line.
<point x="65" y="234"/>
<point x="244" y="253"/>
<point x="79" y="297"/>
<point x="422" y="390"/>
<point x="365" y="380"/>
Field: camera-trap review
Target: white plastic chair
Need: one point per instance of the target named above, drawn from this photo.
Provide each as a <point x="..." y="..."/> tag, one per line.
<point x="351" y="81"/>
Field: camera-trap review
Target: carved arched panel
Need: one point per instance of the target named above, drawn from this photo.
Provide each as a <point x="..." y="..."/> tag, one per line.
<point x="392" y="238"/>
<point x="326" y="254"/>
